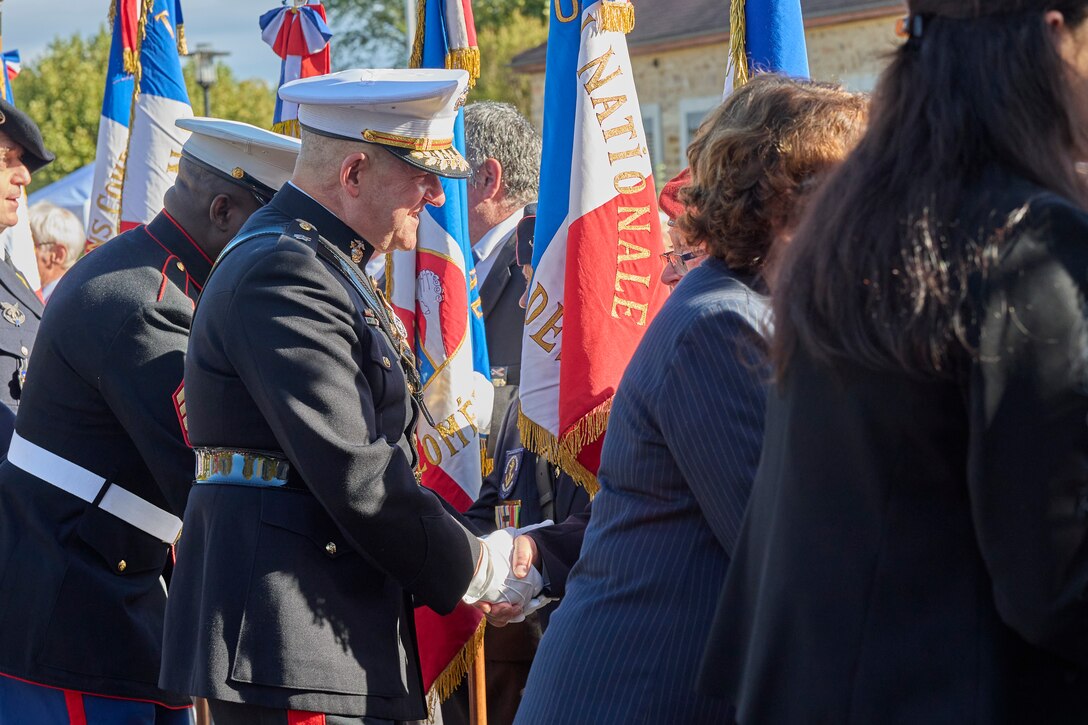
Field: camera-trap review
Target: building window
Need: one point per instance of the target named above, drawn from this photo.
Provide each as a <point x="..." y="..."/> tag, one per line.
<point x="692" y="113"/>
<point x="651" y="125"/>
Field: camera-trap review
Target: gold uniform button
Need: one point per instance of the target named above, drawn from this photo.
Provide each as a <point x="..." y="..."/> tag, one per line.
<point x="181" y="266"/>
<point x="330" y="548"/>
<point x="121" y="565"/>
<point x="386" y="362"/>
<point x="306" y="226"/>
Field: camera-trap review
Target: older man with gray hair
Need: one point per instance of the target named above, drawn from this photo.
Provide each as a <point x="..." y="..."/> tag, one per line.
<point x="503" y="151"/>
<point x="58" y="243"/>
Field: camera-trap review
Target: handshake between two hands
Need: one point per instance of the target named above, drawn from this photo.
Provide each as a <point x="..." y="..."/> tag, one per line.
<point x="507" y="584"/>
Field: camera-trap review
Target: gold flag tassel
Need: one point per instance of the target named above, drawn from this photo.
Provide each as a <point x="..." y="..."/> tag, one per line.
<point x="289" y="127"/>
<point x="466" y="59"/>
<point x="616" y="16"/>
<point x="564" y="454"/>
<point x="487" y="464"/>
<point x="183" y="47"/>
<point x="415" y="60"/>
<point x="455" y="672"/>
<point x="131" y="56"/>
<point x="738" y="51"/>
<point x="130" y="60"/>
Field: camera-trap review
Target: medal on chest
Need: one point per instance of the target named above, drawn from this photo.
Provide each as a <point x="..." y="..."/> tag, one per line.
<point x="12" y="313"/>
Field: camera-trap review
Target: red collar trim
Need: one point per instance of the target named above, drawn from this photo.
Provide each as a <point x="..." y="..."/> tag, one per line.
<point x="186" y="235"/>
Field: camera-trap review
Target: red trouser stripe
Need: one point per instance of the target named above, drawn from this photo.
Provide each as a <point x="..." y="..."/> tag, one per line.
<point x="74" y="702"/>
<point x="300" y="717"/>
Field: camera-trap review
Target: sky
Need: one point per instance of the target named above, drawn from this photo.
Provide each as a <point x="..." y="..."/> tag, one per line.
<point x="230" y="25"/>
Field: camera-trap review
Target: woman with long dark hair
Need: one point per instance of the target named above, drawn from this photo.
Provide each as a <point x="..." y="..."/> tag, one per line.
<point x="916" y="544"/>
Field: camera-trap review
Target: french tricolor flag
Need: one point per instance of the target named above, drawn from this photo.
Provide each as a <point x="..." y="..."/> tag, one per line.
<point x="138" y="144"/>
<point x="13" y="65"/>
<point x="300" y="37"/>
<point x="596" y="255"/>
<point x="434" y="292"/>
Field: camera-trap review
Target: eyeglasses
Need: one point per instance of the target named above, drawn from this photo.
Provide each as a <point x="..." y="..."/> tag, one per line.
<point x="679" y="260"/>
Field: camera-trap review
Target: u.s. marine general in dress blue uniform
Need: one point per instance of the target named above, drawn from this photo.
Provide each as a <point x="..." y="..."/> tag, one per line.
<point x="99" y="470"/>
<point x="308" y="540"/>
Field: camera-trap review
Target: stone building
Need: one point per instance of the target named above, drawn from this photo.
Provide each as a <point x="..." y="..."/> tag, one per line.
<point x="679" y="50"/>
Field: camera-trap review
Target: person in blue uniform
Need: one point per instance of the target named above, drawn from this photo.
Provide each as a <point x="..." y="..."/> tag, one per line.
<point x="22" y="152"/>
<point x="308" y="540"/>
<point x="99" y="468"/>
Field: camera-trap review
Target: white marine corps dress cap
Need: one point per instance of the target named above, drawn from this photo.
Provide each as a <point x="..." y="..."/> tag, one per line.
<point x="256" y="159"/>
<point x="409" y="112"/>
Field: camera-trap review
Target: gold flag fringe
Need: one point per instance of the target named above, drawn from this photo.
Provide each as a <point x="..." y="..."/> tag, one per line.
<point x="738" y="53"/>
<point x="289" y="127"/>
<point x="112" y="16"/>
<point x="183" y="46"/>
<point x="415" y="60"/>
<point x="487" y="464"/>
<point x="130" y="60"/>
<point x="131" y="57"/>
<point x="616" y="16"/>
<point x="466" y="59"/>
<point x="455" y="672"/>
<point x="564" y="452"/>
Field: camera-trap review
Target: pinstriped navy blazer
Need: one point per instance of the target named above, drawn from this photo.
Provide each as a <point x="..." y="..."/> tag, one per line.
<point x="682" y="448"/>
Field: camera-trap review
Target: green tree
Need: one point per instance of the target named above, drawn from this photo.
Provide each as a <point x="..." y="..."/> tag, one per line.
<point x="499" y="43"/>
<point x="250" y="101"/>
<point x="62" y="91"/>
<point x="372" y="33"/>
<point x="368" y="32"/>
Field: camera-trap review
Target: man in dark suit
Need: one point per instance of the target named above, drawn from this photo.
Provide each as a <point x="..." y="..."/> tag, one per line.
<point x="99" y="468"/>
<point x="23" y="153"/>
<point x="503" y="150"/>
<point x="308" y="540"/>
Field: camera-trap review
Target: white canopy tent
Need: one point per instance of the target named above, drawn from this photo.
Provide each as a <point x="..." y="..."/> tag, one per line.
<point x="73" y="192"/>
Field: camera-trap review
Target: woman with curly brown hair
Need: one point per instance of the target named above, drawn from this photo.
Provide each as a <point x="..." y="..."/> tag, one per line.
<point x="686" y="427"/>
<point x="916" y="545"/>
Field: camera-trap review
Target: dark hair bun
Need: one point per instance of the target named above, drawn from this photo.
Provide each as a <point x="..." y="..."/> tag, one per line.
<point x="975" y="8"/>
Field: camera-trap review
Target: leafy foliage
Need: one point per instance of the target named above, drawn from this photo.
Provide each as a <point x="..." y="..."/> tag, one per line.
<point x="368" y="33"/>
<point x="62" y="91"/>
<point x="374" y="33"/>
<point x="250" y="101"/>
<point x="499" y="43"/>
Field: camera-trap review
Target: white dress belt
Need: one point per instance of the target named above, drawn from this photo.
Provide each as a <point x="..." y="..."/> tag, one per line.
<point x="84" y="484"/>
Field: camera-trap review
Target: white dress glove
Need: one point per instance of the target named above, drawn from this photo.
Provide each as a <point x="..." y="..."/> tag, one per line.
<point x="494" y="569"/>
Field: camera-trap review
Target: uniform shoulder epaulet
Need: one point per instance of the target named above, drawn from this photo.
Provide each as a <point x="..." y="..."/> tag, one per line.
<point x="301" y="230"/>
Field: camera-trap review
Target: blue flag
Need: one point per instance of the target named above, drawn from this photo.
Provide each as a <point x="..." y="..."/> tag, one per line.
<point x="767" y="36"/>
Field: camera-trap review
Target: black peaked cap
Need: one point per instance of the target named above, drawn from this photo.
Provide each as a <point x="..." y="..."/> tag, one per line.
<point x="23" y="131"/>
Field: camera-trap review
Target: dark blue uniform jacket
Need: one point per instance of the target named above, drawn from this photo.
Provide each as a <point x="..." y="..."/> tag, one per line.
<point x="302" y="596"/>
<point x="81" y="601"/>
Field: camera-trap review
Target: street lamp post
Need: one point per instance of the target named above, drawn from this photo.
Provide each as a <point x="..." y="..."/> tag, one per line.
<point x="204" y="57"/>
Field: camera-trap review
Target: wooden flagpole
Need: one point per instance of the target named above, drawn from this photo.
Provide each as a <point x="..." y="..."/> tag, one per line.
<point x="477" y="687"/>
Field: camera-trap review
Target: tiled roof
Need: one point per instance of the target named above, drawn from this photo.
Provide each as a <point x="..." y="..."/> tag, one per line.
<point x="670" y="20"/>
